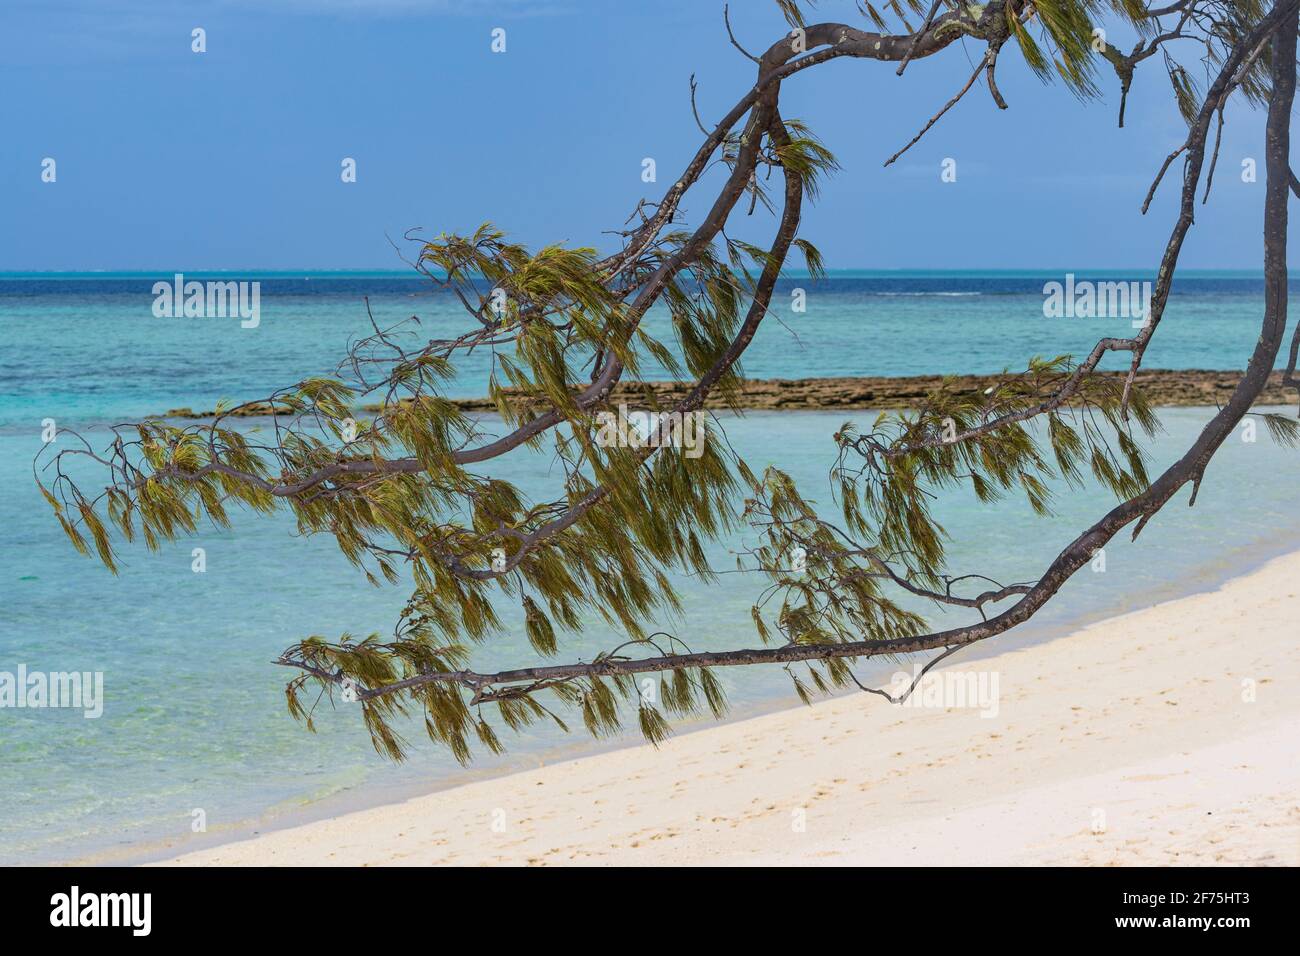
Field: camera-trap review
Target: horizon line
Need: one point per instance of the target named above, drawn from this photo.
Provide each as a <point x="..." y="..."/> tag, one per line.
<point x="19" y="274"/>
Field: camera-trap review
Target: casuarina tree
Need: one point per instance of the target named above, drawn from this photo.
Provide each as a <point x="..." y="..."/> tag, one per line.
<point x="408" y="488"/>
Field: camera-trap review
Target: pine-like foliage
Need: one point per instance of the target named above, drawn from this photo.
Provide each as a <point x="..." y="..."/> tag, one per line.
<point x="379" y="459"/>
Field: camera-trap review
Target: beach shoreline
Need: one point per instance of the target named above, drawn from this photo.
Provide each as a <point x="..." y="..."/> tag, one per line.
<point x="1165" y="692"/>
<point x="165" y="835"/>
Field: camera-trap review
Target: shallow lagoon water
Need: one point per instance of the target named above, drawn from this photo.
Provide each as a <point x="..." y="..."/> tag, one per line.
<point x="194" y="712"/>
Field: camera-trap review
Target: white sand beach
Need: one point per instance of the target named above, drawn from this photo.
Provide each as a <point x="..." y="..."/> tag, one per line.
<point x="1167" y="736"/>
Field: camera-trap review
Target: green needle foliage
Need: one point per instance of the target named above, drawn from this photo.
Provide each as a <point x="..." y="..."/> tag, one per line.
<point x="403" y="496"/>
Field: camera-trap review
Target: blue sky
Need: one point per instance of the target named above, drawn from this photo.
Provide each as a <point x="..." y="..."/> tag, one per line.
<point x="230" y="159"/>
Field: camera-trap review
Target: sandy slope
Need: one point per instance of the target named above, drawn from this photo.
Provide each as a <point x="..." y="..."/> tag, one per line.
<point x="1129" y="742"/>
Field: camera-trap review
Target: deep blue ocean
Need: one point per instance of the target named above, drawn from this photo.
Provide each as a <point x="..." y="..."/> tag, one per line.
<point x="194" y="715"/>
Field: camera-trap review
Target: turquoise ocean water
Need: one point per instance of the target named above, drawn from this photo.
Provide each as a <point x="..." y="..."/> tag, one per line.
<point x="194" y="715"/>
